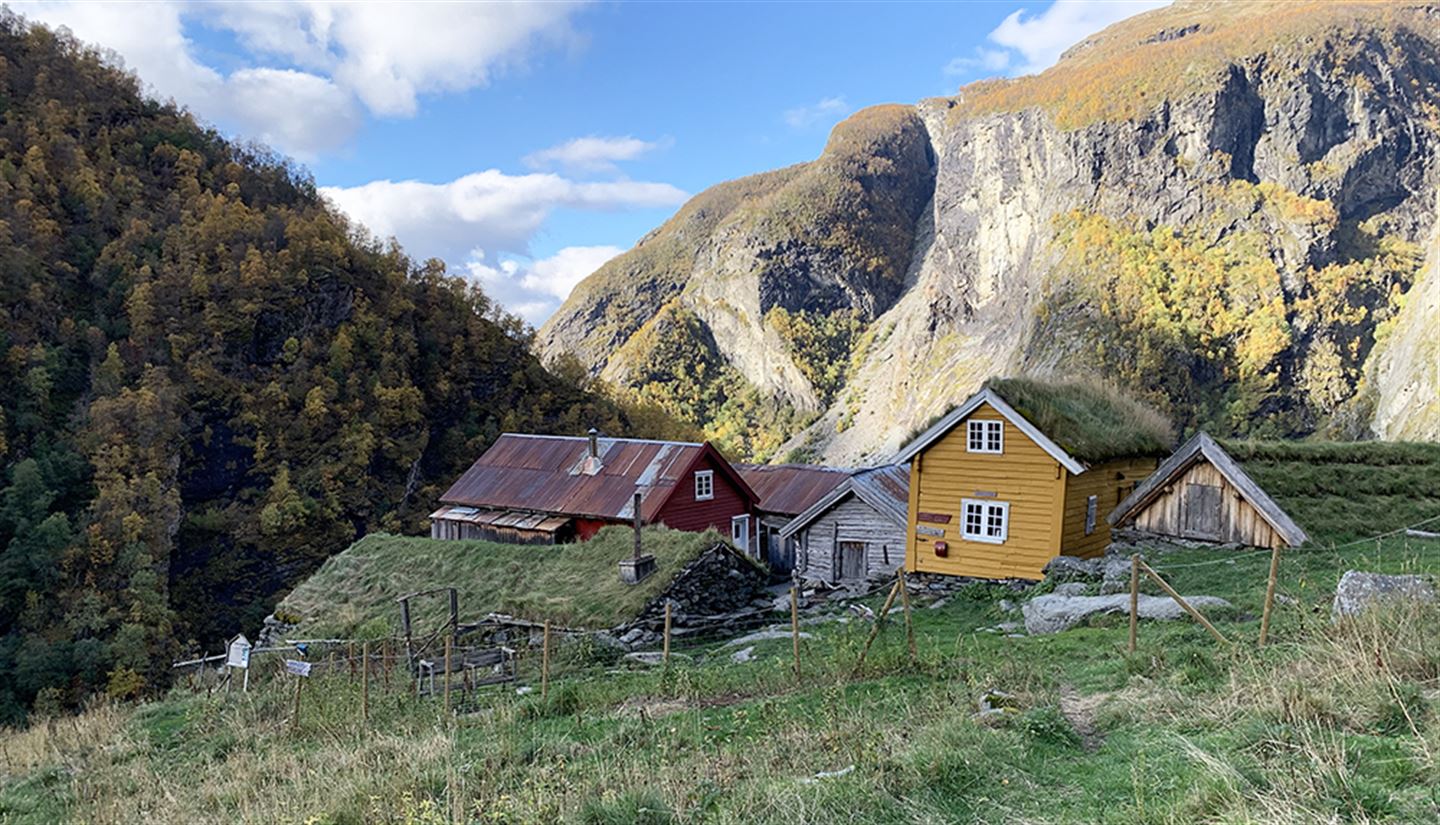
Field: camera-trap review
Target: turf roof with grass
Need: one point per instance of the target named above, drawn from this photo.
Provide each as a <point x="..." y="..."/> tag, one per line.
<point x="1344" y="491"/>
<point x="1090" y="421"/>
<point x="577" y="585"/>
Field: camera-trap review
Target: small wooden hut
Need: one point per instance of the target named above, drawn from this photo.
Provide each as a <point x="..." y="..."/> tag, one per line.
<point x="1202" y="494"/>
<point x="856" y="532"/>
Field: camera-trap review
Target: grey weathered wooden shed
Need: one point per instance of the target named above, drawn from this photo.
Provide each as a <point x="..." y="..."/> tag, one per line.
<point x="857" y="531"/>
<point x="1202" y="494"/>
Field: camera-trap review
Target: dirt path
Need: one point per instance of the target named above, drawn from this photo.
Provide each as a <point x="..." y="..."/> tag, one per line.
<point x="1080" y="710"/>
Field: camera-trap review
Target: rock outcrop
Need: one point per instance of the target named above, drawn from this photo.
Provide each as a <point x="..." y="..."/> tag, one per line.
<point x="1359" y="591"/>
<point x="1227" y="217"/>
<point x="1054" y="613"/>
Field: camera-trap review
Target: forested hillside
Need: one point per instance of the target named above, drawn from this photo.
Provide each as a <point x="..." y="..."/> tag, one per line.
<point x="211" y="381"/>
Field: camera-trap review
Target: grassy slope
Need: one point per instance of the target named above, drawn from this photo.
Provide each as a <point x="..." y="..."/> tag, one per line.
<point x="1325" y="724"/>
<point x="574" y="584"/>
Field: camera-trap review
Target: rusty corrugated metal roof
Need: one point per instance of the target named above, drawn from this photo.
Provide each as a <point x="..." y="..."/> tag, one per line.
<point x="553" y="474"/>
<point x="787" y="489"/>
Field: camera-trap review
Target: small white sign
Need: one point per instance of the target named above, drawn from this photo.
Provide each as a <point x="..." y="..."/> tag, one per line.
<point x="297" y="667"/>
<point x="927" y="530"/>
<point x="238" y="654"/>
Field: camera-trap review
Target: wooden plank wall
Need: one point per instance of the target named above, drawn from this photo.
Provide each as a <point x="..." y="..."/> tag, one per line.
<point x="851" y="520"/>
<point x="1105" y="481"/>
<point x="1239" y="522"/>
<point x="1025" y="476"/>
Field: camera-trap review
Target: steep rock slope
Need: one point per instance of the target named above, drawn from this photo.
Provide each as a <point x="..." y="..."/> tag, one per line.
<point x="1219" y="205"/>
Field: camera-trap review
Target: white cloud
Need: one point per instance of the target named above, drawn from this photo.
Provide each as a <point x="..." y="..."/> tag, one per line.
<point x="591" y="154"/>
<point x="489" y="210"/>
<point x="559" y="274"/>
<point x="390" y="53"/>
<point x="826" y="110"/>
<point x="533" y="290"/>
<point x="386" y="55"/>
<point x="1041" y="38"/>
<point x="985" y="60"/>
<point x="307" y="113"/>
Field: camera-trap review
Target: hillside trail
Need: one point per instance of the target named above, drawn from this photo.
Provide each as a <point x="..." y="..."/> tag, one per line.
<point x="1080" y="711"/>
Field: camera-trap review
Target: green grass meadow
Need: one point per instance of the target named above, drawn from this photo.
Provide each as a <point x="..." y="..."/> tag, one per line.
<point x="1326" y="724"/>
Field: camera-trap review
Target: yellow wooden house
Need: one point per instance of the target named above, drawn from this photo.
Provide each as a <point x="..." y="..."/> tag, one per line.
<point x="1024" y="471"/>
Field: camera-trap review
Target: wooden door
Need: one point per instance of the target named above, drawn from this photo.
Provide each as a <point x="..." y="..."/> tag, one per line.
<point x="1201" y="514"/>
<point x="852" y="560"/>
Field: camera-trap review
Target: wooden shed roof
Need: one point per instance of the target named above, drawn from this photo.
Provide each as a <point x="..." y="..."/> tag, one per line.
<point x="552" y="474"/>
<point x="887" y="489"/>
<point x="1202" y="447"/>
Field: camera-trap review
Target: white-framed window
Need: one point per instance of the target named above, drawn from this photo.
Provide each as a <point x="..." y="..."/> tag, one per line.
<point x="984" y="436"/>
<point x="1092" y="511"/>
<point x="704" y="485"/>
<point x="740" y="532"/>
<point x="987" y="521"/>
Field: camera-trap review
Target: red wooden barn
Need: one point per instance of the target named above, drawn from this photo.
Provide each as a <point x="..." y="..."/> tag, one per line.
<point x="545" y="489"/>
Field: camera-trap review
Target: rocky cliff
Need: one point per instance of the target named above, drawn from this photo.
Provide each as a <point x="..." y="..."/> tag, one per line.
<point x="1225" y="207"/>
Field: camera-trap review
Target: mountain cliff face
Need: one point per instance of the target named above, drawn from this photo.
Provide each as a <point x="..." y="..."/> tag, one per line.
<point x="1225" y="207"/>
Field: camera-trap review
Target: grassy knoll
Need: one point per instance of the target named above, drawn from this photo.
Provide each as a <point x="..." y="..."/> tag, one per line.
<point x="353" y="594"/>
<point x="1327" y="724"/>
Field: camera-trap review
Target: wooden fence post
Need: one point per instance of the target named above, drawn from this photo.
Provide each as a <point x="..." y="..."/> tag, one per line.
<point x="350" y="657"/>
<point x="1134" y="598"/>
<point x="385" y="663"/>
<point x="909" y="625"/>
<point x="795" y="626"/>
<point x="1164" y="585"/>
<point x="295" y="718"/>
<point x="665" y="657"/>
<point x="1269" y="594"/>
<point x="545" y="661"/>
<point x="365" y="684"/>
<point x="875" y="631"/>
<point x="449" y="646"/>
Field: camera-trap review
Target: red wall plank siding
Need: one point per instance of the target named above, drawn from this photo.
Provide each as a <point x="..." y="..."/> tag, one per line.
<point x="683" y="512"/>
<point x="586" y="528"/>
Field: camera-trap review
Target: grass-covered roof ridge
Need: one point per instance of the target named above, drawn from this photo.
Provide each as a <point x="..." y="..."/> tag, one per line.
<point x="1089" y="420"/>
<point x="577" y="585"/>
<point x="1346" y="490"/>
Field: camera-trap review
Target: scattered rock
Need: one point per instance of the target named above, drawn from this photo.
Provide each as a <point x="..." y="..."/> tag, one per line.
<point x="1008" y="606"/>
<point x="1052" y="613"/>
<point x="1071" y="589"/>
<point x="764" y="635"/>
<point x="863" y="612"/>
<point x="938" y="603"/>
<point x="740" y="657"/>
<point x="1358" y="591"/>
<point x="997" y="700"/>
<point x="523" y="690"/>
<point x="1072" y="568"/>
<point x="654" y="657"/>
<point x="633" y="636"/>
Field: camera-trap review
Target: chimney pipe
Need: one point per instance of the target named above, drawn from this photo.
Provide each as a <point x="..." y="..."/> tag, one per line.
<point x="594" y="443"/>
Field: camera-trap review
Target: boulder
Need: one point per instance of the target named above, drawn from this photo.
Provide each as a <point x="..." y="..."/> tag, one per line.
<point x="1053" y="613"/>
<point x="742" y="656"/>
<point x="1073" y="568"/>
<point x="1071" y="589"/>
<point x="1358" y="591"/>
<point x="764" y="635"/>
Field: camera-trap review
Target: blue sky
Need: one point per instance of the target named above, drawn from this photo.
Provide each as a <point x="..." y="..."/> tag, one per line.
<point x="524" y="144"/>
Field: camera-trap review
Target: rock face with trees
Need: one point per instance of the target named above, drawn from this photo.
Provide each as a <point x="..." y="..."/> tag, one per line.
<point x="212" y="382"/>
<point x="1228" y="207"/>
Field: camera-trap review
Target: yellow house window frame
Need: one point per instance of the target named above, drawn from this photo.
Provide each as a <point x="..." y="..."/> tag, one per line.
<point x="994" y="520"/>
<point x="985" y="435"/>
